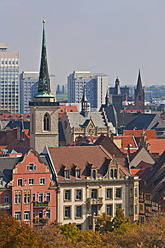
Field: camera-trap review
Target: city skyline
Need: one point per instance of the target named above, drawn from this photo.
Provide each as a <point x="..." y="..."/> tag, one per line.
<point x="100" y="36"/>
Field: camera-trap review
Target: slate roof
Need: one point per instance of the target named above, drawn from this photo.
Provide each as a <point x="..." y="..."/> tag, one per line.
<point x="78" y="121"/>
<point x="146" y="121"/>
<point x="82" y="157"/>
<point x="6" y="166"/>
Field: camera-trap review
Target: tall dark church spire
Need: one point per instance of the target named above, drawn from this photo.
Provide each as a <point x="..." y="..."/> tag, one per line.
<point x="139" y="95"/>
<point x="44" y="83"/>
<point x="84" y="104"/>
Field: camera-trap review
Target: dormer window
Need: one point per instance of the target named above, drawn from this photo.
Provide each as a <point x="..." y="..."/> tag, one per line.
<point x="111" y="173"/>
<point x="94" y="174"/>
<point x="115" y="173"/>
<point x="66" y="174"/>
<point x="77" y="174"/>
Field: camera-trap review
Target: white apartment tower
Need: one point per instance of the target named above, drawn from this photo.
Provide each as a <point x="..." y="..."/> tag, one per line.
<point x="29" y="88"/>
<point x="9" y="79"/>
<point x="96" y="87"/>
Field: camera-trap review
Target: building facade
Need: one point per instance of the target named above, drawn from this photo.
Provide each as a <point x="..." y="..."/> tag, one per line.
<point x="96" y="87"/>
<point x="9" y="80"/>
<point x="90" y="182"/>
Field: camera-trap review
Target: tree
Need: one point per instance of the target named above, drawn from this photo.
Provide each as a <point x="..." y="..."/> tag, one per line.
<point x="15" y="234"/>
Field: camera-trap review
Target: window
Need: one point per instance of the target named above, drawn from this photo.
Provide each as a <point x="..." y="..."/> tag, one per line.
<point x="109" y="210"/>
<point x="77" y="174"/>
<point x="40" y="213"/>
<point x="115" y="173"/>
<point x="78" y="212"/>
<point x="31" y="181"/>
<point x="42" y="181"/>
<point x="48" y="196"/>
<point x="136" y="209"/>
<point x="40" y="197"/>
<point x="109" y="193"/>
<point x="20" y="182"/>
<point x="78" y="194"/>
<point x="34" y="213"/>
<point x="141" y="207"/>
<point x="131" y="192"/>
<point x="26" y="215"/>
<point x="94" y="174"/>
<point x="118" y="193"/>
<point x="131" y="210"/>
<point x="6" y="199"/>
<point x="31" y="167"/>
<point x="136" y="193"/>
<point x="67" y="195"/>
<point x="67" y="212"/>
<point x="26" y="197"/>
<point x="17" y="198"/>
<point x="46" y="122"/>
<point x="66" y="174"/>
<point x="48" y="213"/>
<point x="18" y="215"/>
<point x="111" y="173"/>
<point x="34" y="196"/>
<point x="94" y="193"/>
<point x="118" y="206"/>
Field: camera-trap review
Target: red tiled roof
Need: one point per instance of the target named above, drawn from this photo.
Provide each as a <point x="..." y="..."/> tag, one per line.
<point x="126" y="140"/>
<point x="61" y="109"/>
<point x="134" y="171"/>
<point x="81" y="156"/>
<point x="129" y="111"/>
<point x="2" y="147"/>
<point x="157" y="145"/>
<point x="151" y="134"/>
<point x="143" y="165"/>
<point x="14" y="116"/>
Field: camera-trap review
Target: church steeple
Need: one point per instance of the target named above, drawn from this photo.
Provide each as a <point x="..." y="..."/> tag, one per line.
<point x="139" y="95"/>
<point x="84" y="104"/>
<point x="139" y="82"/>
<point x="44" y="92"/>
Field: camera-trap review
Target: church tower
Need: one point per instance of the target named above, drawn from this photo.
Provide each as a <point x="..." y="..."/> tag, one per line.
<point x="139" y="95"/>
<point x="43" y="109"/>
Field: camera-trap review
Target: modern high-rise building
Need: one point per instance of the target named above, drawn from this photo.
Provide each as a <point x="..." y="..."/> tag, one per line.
<point x="9" y="79"/>
<point x="96" y="87"/>
<point x="29" y="88"/>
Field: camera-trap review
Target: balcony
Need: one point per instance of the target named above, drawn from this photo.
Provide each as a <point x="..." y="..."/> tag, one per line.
<point x="40" y="221"/>
<point x="97" y="201"/>
<point x="5" y="206"/>
<point x="40" y="204"/>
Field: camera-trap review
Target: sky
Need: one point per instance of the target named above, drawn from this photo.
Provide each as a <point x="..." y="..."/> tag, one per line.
<point x="115" y="37"/>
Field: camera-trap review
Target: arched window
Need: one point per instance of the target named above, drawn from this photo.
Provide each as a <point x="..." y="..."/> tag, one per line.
<point x="115" y="173"/>
<point x="46" y="122"/>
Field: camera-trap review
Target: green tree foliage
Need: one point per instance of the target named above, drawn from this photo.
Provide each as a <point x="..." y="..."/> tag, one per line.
<point x="14" y="234"/>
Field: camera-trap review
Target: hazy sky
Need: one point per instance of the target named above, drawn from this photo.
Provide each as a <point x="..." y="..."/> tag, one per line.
<point x="115" y="37"/>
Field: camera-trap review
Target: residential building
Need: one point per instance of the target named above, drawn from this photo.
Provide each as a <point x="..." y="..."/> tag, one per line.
<point x="29" y="87"/>
<point x="9" y="80"/>
<point x="90" y="181"/>
<point x="43" y="109"/>
<point x="96" y="87"/>
<point x="26" y="189"/>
